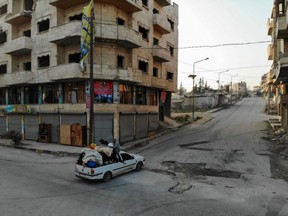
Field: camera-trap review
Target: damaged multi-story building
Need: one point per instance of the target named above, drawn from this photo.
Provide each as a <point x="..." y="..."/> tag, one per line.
<point x="276" y="87"/>
<point x="135" y="60"/>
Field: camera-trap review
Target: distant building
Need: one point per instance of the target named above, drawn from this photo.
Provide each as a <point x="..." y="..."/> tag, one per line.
<point x="134" y="66"/>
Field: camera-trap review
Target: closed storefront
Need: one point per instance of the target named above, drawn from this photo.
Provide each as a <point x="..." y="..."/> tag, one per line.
<point x="126" y="127"/>
<point x="31" y="126"/>
<point x="53" y="119"/>
<point x="141" y="129"/>
<point x="153" y="121"/>
<point x="71" y="118"/>
<point x="2" y="125"/>
<point x="14" y="122"/>
<point x="103" y="127"/>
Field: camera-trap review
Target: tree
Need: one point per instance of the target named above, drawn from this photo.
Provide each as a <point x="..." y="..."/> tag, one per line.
<point x="181" y="90"/>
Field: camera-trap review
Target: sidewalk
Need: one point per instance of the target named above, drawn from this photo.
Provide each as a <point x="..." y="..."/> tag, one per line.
<point x="68" y="150"/>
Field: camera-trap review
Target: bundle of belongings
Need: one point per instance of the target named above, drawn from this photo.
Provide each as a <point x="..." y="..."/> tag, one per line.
<point x="94" y="156"/>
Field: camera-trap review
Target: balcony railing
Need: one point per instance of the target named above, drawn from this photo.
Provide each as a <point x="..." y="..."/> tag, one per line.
<point x="66" y="34"/>
<point x="160" y="54"/>
<point x="130" y="6"/>
<point x="163" y="3"/>
<point x="19" y="18"/>
<point x="121" y="35"/>
<point x="160" y="24"/>
<point x="19" y="46"/>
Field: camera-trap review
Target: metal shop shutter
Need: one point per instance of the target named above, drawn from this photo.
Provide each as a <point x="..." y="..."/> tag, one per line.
<point x="126" y="127"/>
<point x="141" y="129"/>
<point x="31" y="127"/>
<point x="153" y="122"/>
<point x="69" y="119"/>
<point x="2" y="125"/>
<point x="103" y="127"/>
<point x="14" y="122"/>
<point x="52" y="119"/>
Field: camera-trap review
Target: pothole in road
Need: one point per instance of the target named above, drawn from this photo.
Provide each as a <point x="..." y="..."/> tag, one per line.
<point x="195" y="169"/>
<point x="192" y="144"/>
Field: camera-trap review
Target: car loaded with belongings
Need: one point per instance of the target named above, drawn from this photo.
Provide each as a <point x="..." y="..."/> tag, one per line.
<point x="104" y="162"/>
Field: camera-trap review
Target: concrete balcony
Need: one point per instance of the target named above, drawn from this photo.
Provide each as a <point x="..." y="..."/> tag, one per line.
<point x="163" y="3"/>
<point x="282" y="68"/>
<point x="158" y="83"/>
<point x="120" y="35"/>
<point x="66" y="34"/>
<point x="160" y="24"/>
<point x="281" y="28"/>
<point x="107" y="72"/>
<point x="130" y="6"/>
<point x="19" y="18"/>
<point x="10" y="79"/>
<point x="270" y="52"/>
<point x="270" y="26"/>
<point x="19" y="46"/>
<point x="160" y="54"/>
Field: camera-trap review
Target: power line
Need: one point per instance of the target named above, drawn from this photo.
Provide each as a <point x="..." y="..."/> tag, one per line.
<point x="221" y="45"/>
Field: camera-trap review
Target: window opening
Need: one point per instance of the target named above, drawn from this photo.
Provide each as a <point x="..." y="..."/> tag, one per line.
<point x="155" y="11"/>
<point x="155" y="72"/>
<point x="3" y="69"/>
<point x="171" y="24"/>
<point x="2" y="96"/>
<point x="169" y="76"/>
<point x="120" y="21"/>
<point x="141" y="95"/>
<point x="31" y="95"/>
<point x="3" y="37"/>
<point x="74" y="58"/>
<point x="27" y="33"/>
<point x="76" y="17"/>
<point x="28" y="5"/>
<point x="144" y="32"/>
<point x="143" y="65"/>
<point x="27" y="66"/>
<point x="145" y="3"/>
<point x="120" y="61"/>
<point x="126" y="94"/>
<point x="171" y="50"/>
<point x="50" y="93"/>
<point x="3" y="9"/>
<point x="43" y="25"/>
<point x="155" y="41"/>
<point x="44" y="61"/>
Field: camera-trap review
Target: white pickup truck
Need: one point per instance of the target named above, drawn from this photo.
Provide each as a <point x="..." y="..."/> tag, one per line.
<point x="105" y="172"/>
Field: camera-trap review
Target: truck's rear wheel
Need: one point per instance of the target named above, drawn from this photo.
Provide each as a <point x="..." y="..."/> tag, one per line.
<point x="107" y="176"/>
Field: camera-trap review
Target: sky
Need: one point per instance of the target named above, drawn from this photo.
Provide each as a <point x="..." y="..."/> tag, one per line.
<point x="222" y="24"/>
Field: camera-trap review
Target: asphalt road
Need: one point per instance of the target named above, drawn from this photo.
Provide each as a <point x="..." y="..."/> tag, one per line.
<point x="220" y="168"/>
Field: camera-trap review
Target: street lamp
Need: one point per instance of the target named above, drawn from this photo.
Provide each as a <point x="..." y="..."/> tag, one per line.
<point x="219" y="78"/>
<point x="193" y="77"/>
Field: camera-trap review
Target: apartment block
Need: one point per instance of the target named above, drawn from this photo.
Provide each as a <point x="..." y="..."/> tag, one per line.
<point x="135" y="59"/>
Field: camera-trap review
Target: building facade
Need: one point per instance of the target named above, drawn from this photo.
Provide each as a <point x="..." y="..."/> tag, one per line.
<point x="134" y="66"/>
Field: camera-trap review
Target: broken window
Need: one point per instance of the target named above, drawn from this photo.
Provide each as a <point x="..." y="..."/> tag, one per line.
<point x="2" y="96"/>
<point x="120" y="21"/>
<point x="74" y="92"/>
<point x="50" y="93"/>
<point x="31" y="95"/>
<point x="27" y="33"/>
<point x="143" y="65"/>
<point x="126" y="94"/>
<point x="155" y="72"/>
<point x="28" y="4"/>
<point x="27" y="66"/>
<point x="43" y="25"/>
<point x="120" y="61"/>
<point x="171" y="50"/>
<point x="76" y="17"/>
<point x="145" y="3"/>
<point x="140" y="95"/>
<point x="169" y="76"/>
<point x="144" y="32"/>
<point x="152" y="97"/>
<point x="171" y="23"/>
<point x="3" y="9"/>
<point x="3" y="68"/>
<point x="44" y="61"/>
<point x="3" y="37"/>
<point x="155" y="41"/>
<point x="155" y="11"/>
<point x="14" y="96"/>
<point x="74" y="58"/>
